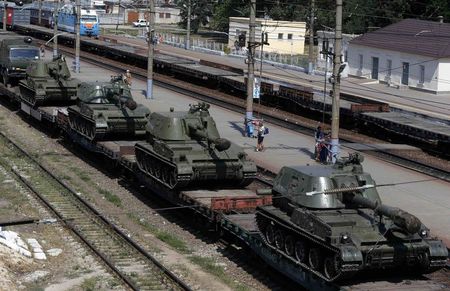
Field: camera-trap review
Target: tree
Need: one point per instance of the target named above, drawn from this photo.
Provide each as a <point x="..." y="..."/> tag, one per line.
<point x="226" y="9"/>
<point x="201" y="10"/>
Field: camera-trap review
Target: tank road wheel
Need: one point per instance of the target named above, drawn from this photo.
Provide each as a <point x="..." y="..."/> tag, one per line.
<point x="270" y="235"/>
<point x="289" y="246"/>
<point x="331" y="266"/>
<point x="279" y="239"/>
<point x="301" y="251"/>
<point x="173" y="178"/>
<point x="315" y="259"/>
<point x="165" y="175"/>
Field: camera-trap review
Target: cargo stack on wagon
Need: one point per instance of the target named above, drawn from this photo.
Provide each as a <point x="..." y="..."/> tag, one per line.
<point x="49" y="83"/>
<point x="106" y="110"/>
<point x="184" y="149"/>
<point x="16" y="52"/>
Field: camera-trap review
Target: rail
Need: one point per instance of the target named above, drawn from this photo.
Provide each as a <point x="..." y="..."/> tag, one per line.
<point x="130" y="262"/>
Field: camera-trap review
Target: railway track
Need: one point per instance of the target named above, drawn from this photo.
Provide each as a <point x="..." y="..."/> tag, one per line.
<point x="210" y="96"/>
<point x="137" y="269"/>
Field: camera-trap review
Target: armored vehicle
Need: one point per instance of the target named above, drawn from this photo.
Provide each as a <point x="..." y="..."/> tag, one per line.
<point x="330" y="220"/>
<point x="48" y="82"/>
<point x="185" y="148"/>
<point x="107" y="109"/>
<point x="16" y="52"/>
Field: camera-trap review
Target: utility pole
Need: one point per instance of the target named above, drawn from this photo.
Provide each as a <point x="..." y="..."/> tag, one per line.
<point x="251" y="67"/>
<point x="188" y="33"/>
<point x="55" y="30"/>
<point x="311" y="40"/>
<point x="5" y="5"/>
<point x="151" y="31"/>
<point x="40" y="11"/>
<point x="337" y="70"/>
<point x="77" y="37"/>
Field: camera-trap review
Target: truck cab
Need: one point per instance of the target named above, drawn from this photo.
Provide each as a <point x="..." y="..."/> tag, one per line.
<point x="16" y="52"/>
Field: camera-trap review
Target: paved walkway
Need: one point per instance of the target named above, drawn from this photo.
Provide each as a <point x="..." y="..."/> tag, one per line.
<point x="430" y="200"/>
<point x="408" y="99"/>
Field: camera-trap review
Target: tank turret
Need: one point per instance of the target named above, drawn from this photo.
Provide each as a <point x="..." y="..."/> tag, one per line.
<point x="330" y="219"/>
<point x="184" y="148"/>
<point x="107" y="110"/>
<point x="48" y="82"/>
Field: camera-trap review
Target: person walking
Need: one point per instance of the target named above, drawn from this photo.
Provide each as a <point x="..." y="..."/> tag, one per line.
<point x="128" y="78"/>
<point x="261" y="134"/>
<point x="319" y="137"/>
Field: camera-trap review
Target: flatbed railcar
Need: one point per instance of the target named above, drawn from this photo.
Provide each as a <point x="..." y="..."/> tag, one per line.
<point x="231" y="211"/>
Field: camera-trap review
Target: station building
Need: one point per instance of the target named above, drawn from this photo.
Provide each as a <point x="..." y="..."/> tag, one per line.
<point x="284" y="37"/>
<point x="408" y="54"/>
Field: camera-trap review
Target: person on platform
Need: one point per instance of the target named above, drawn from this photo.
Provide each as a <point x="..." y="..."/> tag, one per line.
<point x="319" y="137"/>
<point x="261" y="134"/>
<point x="127" y="78"/>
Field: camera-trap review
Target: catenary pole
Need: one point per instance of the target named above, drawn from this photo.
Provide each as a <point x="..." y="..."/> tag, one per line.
<point x="251" y="66"/>
<point x="77" y="37"/>
<point x="336" y="83"/>
<point x="55" y="30"/>
<point x="150" y="37"/>
<point x="5" y="5"/>
<point x="40" y="12"/>
<point x="188" y="32"/>
<point x="311" y="40"/>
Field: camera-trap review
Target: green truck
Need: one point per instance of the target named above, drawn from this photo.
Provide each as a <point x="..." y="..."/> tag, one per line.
<point x="16" y="53"/>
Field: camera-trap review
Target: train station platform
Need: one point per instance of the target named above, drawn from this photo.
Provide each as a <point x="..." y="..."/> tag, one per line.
<point x="426" y="198"/>
<point x="434" y="105"/>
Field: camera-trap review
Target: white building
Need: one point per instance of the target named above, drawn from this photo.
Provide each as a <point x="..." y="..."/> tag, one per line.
<point x="330" y="37"/>
<point x="411" y="53"/>
<point x="284" y="37"/>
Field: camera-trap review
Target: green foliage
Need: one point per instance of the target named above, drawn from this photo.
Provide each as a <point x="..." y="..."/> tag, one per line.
<point x="111" y="197"/>
<point x="228" y="8"/>
<point x="89" y="284"/>
<point x="201" y="10"/>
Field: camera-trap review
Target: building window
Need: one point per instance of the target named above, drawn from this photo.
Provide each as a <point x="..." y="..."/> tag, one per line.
<point x="422" y="74"/>
<point x="360" y="62"/>
<point x="289" y="35"/>
<point x="161" y="15"/>
<point x="280" y="36"/>
<point x="389" y="68"/>
<point x="167" y="15"/>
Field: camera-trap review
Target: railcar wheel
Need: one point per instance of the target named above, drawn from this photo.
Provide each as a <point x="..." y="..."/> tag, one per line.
<point x="279" y="239"/>
<point x="289" y="246"/>
<point x="331" y="266"/>
<point x="315" y="259"/>
<point x="270" y="234"/>
<point x="301" y="251"/>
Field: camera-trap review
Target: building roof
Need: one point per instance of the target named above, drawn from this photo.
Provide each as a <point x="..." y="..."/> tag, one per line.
<point x="270" y="22"/>
<point x="420" y="37"/>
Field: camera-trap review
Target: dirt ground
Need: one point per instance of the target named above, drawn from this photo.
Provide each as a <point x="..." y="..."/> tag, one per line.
<point x="204" y="264"/>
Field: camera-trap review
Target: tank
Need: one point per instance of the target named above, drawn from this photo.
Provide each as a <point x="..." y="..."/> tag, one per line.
<point x="184" y="149"/>
<point x="107" y="110"/>
<point x="329" y="219"/>
<point x="49" y="82"/>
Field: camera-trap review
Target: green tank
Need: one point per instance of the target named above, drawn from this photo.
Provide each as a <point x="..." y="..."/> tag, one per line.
<point x="185" y="149"/>
<point x="330" y="220"/>
<point x="107" y="110"/>
<point x="48" y="82"/>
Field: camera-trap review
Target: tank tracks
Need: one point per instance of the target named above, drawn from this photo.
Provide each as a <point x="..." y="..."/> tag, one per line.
<point x="84" y="126"/>
<point x="302" y="249"/>
<point x="159" y="169"/>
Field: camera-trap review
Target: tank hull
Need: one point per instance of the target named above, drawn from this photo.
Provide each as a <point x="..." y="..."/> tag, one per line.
<point x="197" y="168"/>
<point x="311" y="241"/>
<point x="51" y="94"/>
<point x="109" y="123"/>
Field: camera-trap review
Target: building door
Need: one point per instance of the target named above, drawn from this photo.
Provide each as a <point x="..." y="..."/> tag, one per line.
<point x="374" y="68"/>
<point x="405" y="74"/>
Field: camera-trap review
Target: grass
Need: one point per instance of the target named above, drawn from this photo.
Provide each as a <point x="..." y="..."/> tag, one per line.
<point x="210" y="266"/>
<point x="89" y="284"/>
<point x="111" y="197"/>
<point x="81" y="174"/>
<point x="167" y="237"/>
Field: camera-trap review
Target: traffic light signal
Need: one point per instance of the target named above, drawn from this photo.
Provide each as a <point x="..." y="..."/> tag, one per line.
<point x="241" y="40"/>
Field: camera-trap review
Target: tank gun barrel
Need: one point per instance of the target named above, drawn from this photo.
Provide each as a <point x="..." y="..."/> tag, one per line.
<point x="221" y="144"/>
<point x="401" y="218"/>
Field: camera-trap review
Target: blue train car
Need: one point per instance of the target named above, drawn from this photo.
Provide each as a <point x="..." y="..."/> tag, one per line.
<point x="47" y="10"/>
<point x="89" y="24"/>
